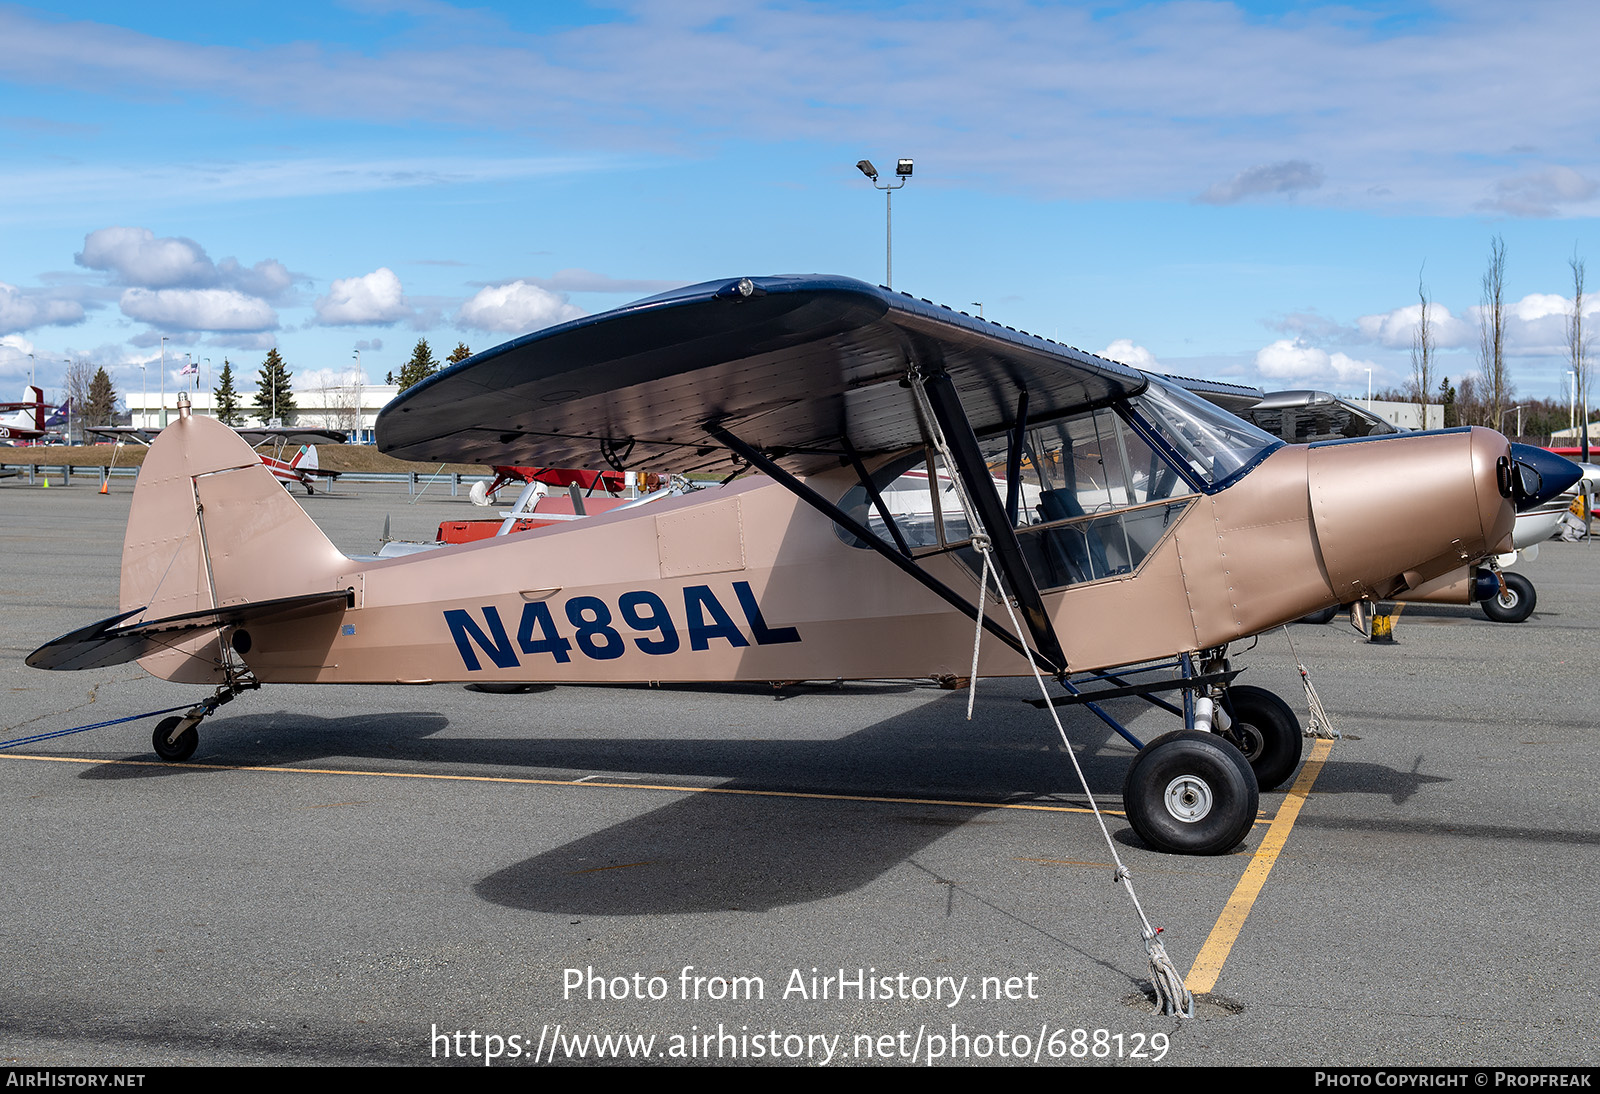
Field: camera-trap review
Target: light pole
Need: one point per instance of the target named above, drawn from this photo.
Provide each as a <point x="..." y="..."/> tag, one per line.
<point x="979" y="305"/>
<point x="68" y="362"/>
<point x="902" y="172"/>
<point x="1369" y="389"/>
<point x="163" y="381"/>
<point x="144" y="399"/>
<point x="361" y="391"/>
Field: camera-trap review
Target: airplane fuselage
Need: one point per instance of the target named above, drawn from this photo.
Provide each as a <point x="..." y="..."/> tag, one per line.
<point x="749" y="583"/>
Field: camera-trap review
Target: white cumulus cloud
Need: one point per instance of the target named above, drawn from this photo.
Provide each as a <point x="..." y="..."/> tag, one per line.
<point x="1125" y="351"/>
<point x="198" y="309"/>
<point x="1293" y="360"/>
<point x="515" y="309"/>
<point x="376" y="297"/>
<point x="20" y="310"/>
<point x="1396" y="328"/>
<point x="136" y="257"/>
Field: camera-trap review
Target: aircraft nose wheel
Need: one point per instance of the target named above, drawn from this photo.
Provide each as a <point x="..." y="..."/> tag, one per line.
<point x="1189" y="793"/>
<point x="180" y="749"/>
<point x="1267" y="731"/>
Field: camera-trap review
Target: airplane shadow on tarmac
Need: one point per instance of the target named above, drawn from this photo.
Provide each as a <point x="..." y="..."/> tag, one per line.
<point x="723" y="851"/>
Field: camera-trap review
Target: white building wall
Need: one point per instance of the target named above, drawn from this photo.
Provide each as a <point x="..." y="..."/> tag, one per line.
<point x="333" y="408"/>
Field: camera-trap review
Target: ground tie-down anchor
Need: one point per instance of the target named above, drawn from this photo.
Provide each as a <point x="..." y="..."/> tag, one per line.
<point x="1171" y="996"/>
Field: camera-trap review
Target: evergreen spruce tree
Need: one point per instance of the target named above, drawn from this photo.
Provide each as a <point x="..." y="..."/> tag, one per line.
<point x="227" y="398"/>
<point x="421" y="366"/>
<point x="459" y="354"/>
<point x="274" y="390"/>
<point x="101" y="406"/>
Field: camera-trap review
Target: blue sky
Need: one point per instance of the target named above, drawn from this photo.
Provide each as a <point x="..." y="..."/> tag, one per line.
<point x="1245" y="191"/>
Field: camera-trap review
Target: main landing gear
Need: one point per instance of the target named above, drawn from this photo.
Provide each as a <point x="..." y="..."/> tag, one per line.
<point x="1191" y="793"/>
<point x="1196" y="791"/>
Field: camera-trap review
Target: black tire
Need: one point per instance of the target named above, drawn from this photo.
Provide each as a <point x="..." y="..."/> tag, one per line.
<point x="1191" y="793"/>
<point x="1324" y="616"/>
<point x="1515" y="604"/>
<point x="178" y="750"/>
<point x="1267" y="731"/>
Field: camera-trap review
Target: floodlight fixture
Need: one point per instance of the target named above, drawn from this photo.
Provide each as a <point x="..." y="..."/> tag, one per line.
<point x="902" y="173"/>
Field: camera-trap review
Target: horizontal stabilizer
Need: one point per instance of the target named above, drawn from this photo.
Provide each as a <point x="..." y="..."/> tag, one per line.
<point x="114" y="642"/>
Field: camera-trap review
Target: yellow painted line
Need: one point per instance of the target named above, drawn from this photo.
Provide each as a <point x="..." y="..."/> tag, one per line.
<point x="1208" y="966"/>
<point x="580" y="783"/>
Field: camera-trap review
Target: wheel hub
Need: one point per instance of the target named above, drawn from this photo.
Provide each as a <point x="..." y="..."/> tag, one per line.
<point x="1188" y="799"/>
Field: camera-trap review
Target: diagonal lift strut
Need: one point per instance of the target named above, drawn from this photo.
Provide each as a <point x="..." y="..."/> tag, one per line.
<point x="945" y="403"/>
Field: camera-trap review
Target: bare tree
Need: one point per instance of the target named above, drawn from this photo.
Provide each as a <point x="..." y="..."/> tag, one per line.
<point x="1492" y="335"/>
<point x="341" y="402"/>
<point x="78" y="388"/>
<point x="1578" y="348"/>
<point x="1422" y="356"/>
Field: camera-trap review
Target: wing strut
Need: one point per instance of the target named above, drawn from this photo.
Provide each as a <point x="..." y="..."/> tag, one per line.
<point x="861" y="532"/>
<point x="945" y="404"/>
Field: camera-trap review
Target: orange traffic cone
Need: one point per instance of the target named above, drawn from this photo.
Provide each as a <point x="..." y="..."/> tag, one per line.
<point x="105" y="487"/>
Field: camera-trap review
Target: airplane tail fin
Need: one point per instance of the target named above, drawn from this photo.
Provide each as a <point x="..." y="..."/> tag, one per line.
<point x="36" y="396"/>
<point x="306" y="459"/>
<point x="211" y="530"/>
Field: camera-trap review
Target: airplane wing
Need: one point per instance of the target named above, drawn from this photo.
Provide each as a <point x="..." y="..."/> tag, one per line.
<point x="790" y="364"/>
<point x="123" y="433"/>
<point x="114" y="641"/>
<point x="291" y="435"/>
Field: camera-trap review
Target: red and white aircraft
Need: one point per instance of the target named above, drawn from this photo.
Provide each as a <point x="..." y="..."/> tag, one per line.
<point x="31" y="419"/>
<point x="299" y="468"/>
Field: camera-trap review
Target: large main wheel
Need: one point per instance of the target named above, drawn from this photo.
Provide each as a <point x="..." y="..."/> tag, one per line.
<point x="1191" y="793"/>
<point x="178" y="750"/>
<point x="1268" y="733"/>
<point x="1515" y="604"/>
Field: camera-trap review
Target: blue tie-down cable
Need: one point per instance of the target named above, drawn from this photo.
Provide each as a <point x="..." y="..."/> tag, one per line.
<point x="96" y="725"/>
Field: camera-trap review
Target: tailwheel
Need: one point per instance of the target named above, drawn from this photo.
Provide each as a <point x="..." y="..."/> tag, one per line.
<point x="179" y="750"/>
<point x="1515" y="602"/>
<point x="1189" y="793"/>
<point x="1267" y="731"/>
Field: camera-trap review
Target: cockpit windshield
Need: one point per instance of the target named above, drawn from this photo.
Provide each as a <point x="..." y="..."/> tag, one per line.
<point x="1209" y="443"/>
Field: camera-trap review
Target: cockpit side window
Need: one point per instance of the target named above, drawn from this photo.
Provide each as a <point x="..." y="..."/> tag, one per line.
<point x="1093" y="498"/>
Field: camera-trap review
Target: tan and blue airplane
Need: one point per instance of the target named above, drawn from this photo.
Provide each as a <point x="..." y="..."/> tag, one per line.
<point x="878" y="449"/>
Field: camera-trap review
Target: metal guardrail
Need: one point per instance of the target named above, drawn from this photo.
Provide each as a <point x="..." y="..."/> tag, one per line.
<point x="415" y="481"/>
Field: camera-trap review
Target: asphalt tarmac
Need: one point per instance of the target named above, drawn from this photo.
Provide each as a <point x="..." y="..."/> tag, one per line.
<point x="823" y="874"/>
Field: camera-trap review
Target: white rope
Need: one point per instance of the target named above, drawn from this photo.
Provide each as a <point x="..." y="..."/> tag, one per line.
<point x="1320" y="725"/>
<point x="977" y="637"/>
<point x="1172" y="997"/>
